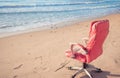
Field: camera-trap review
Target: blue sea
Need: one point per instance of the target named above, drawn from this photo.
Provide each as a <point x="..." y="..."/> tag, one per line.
<point x="19" y="15"/>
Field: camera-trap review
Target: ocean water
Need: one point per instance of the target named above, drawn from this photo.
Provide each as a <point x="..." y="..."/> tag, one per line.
<point x="19" y="15"/>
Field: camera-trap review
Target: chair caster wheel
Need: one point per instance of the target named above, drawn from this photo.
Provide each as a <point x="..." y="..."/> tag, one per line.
<point x="98" y="70"/>
<point x="73" y="76"/>
<point x="69" y="68"/>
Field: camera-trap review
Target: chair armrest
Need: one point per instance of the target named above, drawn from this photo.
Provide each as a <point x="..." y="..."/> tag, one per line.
<point x="80" y="49"/>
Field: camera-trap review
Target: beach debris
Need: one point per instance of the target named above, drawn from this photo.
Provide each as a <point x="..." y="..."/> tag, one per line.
<point x="117" y="61"/>
<point x="29" y="53"/>
<point x="62" y="65"/>
<point x="18" y="67"/>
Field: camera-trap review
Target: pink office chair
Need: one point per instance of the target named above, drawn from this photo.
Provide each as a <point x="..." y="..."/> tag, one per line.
<point x="98" y="32"/>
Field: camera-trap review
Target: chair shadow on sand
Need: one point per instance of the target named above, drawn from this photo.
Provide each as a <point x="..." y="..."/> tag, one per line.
<point x="103" y="74"/>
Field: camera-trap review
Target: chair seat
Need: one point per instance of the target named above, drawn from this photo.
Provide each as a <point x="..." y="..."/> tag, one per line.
<point x="97" y="35"/>
<point x="78" y="56"/>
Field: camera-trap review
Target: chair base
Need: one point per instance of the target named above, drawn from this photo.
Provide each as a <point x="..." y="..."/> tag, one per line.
<point x="85" y="69"/>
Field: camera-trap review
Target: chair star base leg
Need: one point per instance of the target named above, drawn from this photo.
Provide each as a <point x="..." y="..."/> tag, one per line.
<point x="90" y="76"/>
<point x="85" y="69"/>
<point x="82" y="70"/>
<point x="74" y="68"/>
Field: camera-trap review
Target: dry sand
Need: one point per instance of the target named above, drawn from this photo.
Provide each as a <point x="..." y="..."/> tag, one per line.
<point x="41" y="54"/>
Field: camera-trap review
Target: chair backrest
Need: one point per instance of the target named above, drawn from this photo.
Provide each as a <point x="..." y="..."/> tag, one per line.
<point x="98" y="32"/>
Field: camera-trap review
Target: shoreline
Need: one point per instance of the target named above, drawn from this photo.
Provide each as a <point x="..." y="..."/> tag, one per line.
<point x="40" y="54"/>
<point x="48" y="27"/>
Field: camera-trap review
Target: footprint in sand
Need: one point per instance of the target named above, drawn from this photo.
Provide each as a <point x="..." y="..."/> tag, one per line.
<point x="35" y="70"/>
<point x="40" y="58"/>
<point x="29" y="53"/>
<point x="115" y="43"/>
<point x="42" y="67"/>
<point x="15" y="76"/>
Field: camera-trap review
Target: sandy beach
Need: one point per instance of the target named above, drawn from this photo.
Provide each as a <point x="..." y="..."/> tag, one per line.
<point x="41" y="54"/>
